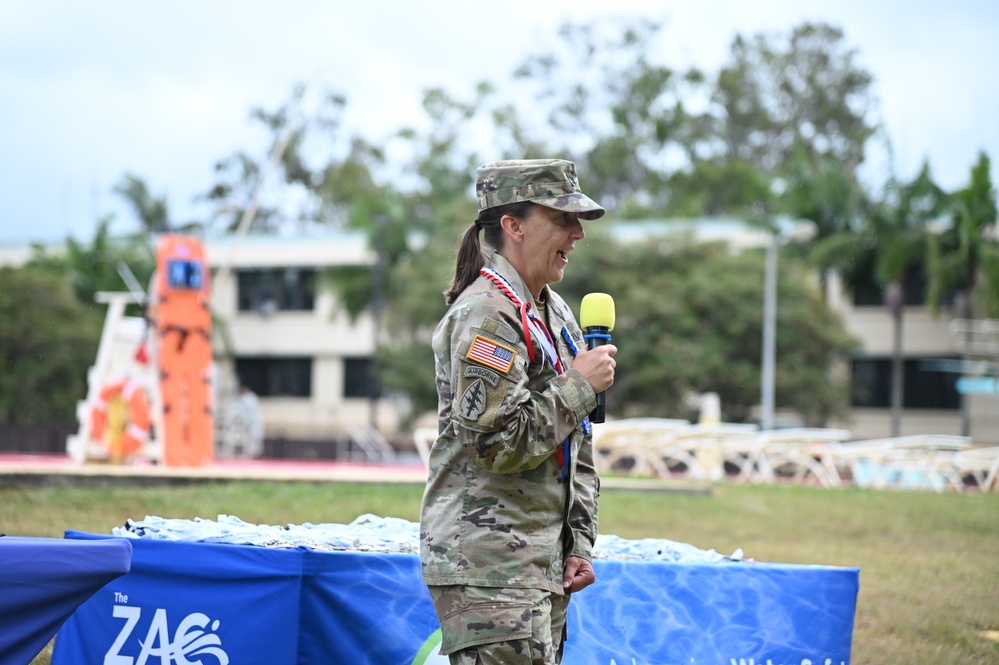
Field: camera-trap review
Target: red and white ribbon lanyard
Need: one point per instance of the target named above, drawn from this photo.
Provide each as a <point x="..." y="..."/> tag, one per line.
<point x="533" y="324"/>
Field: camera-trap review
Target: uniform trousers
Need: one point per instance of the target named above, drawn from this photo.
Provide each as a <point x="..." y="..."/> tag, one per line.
<point x="497" y="626"/>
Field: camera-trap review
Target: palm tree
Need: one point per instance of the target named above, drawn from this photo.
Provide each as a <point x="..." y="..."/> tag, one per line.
<point x="888" y="244"/>
<point x="151" y="211"/>
<point x="966" y="252"/>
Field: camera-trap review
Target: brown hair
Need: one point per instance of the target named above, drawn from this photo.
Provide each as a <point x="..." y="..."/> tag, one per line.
<point x="470" y="257"/>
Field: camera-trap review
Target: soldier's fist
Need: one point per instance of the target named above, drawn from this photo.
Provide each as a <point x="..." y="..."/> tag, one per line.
<point x="597" y="366"/>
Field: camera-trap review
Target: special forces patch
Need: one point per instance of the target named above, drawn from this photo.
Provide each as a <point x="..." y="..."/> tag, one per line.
<point x="492" y="354"/>
<point x="473" y="400"/>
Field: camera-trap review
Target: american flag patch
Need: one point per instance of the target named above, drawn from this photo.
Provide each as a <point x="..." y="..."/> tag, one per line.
<point x="492" y="354"/>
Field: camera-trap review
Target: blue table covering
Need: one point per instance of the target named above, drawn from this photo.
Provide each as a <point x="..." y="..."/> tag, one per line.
<point x="219" y="604"/>
<point x="43" y="581"/>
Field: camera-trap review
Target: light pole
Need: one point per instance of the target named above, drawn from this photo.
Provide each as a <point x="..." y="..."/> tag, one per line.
<point x="801" y="231"/>
<point x="894" y="299"/>
<point x="767" y="379"/>
<point x="377" y="315"/>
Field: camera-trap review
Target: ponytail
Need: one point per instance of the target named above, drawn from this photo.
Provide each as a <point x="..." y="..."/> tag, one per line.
<point x="468" y="264"/>
<point x="471" y="257"/>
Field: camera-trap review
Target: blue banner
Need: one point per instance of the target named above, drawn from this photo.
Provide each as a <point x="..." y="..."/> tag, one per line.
<point x="43" y="581"/>
<point x="646" y="613"/>
<point x="190" y="603"/>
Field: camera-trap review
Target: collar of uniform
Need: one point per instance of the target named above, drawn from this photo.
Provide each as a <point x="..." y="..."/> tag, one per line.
<point x="498" y="263"/>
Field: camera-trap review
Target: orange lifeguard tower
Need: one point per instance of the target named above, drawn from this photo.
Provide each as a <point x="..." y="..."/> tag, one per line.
<point x="150" y="392"/>
<point x="182" y="324"/>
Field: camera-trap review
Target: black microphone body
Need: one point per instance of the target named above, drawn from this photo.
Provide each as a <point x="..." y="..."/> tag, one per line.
<point x="596" y="314"/>
<point x="597" y="336"/>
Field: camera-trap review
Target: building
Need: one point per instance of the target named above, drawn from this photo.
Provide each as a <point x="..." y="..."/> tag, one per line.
<point x="279" y="332"/>
<point x="932" y="351"/>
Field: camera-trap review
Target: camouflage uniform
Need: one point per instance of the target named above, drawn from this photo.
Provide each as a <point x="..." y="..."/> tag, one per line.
<point x="529" y="623"/>
<point x="494" y="514"/>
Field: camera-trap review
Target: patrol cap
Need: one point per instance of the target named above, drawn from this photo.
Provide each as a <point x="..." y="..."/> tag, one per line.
<point x="547" y="182"/>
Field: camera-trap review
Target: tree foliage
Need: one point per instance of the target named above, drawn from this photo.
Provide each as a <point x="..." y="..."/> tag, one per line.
<point x="48" y="339"/>
<point x="808" y="95"/>
<point x="151" y="211"/>
<point x="103" y="264"/>
<point x="784" y="113"/>
<point x="690" y="321"/>
<point x="613" y="110"/>
<point x="246" y="187"/>
<point x="890" y="237"/>
<point x="891" y="244"/>
<point x="966" y="255"/>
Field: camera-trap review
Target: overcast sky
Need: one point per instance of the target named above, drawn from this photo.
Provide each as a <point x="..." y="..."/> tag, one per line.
<point x="93" y="90"/>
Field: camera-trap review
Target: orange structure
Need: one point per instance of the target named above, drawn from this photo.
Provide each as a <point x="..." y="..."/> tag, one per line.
<point x="120" y="420"/>
<point x="183" y="327"/>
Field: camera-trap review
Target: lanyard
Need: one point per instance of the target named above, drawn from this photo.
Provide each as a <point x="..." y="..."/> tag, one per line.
<point x="530" y="322"/>
<point x="533" y="324"/>
<point x="587" y="427"/>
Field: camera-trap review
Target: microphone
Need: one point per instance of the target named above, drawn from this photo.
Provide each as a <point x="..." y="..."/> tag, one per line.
<point x="596" y="316"/>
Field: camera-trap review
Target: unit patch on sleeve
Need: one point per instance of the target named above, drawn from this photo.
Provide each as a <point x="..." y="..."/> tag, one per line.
<point x="473" y="400"/>
<point x="492" y="354"/>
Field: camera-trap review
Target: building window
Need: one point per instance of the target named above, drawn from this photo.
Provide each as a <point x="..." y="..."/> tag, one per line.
<point x="359" y="378"/>
<point x="924" y="386"/>
<point x="276" y="377"/>
<point x="276" y="289"/>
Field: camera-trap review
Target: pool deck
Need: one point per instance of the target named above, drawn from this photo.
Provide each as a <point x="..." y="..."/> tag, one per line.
<point x="32" y="470"/>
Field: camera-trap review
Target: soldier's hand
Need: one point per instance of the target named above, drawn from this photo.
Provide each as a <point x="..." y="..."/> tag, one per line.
<point x="578" y="574"/>
<point x="597" y="366"/>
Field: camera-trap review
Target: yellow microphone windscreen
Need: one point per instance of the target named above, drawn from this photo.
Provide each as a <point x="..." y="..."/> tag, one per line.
<point x="597" y="311"/>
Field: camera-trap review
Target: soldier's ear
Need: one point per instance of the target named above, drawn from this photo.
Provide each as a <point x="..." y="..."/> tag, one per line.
<point x="513" y="228"/>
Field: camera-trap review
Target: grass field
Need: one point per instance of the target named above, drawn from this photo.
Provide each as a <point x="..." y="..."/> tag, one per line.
<point x="929" y="581"/>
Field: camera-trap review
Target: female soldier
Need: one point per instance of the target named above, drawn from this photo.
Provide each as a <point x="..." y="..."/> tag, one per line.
<point x="509" y="516"/>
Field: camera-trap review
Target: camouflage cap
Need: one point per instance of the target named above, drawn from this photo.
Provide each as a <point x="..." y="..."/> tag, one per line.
<point x="547" y="182"/>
